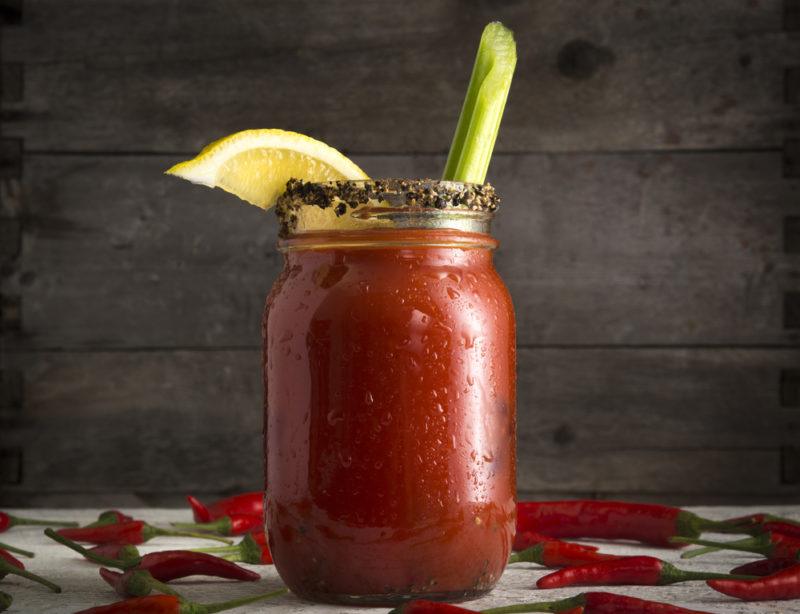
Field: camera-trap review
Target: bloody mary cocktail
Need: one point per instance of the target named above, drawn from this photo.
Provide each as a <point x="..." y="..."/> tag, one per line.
<point x="390" y="400"/>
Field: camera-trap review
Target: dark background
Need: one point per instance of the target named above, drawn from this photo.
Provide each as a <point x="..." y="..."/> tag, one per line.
<point x="649" y="161"/>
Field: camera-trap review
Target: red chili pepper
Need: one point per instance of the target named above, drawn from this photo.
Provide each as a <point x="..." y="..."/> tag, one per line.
<point x="5" y="601"/>
<point x="771" y="545"/>
<point x="559" y="554"/>
<point x="260" y="537"/>
<point x="526" y="539"/>
<point x="170" y="604"/>
<point x="11" y="565"/>
<point x="763" y="567"/>
<point x="250" y="503"/>
<point x="16" y="550"/>
<point x="232" y="524"/>
<point x="629" y="570"/>
<point x="132" y="532"/>
<point x="110" y="517"/>
<point x="167" y="565"/>
<point x="7" y="521"/>
<point x="784" y="584"/>
<point x="252" y="549"/>
<point x="784" y="528"/>
<point x="648" y="523"/>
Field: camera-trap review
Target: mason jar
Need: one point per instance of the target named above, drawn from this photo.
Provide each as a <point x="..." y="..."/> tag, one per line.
<point x="389" y="373"/>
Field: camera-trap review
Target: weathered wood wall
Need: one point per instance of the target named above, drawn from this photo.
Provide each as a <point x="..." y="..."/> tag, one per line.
<point x="650" y="165"/>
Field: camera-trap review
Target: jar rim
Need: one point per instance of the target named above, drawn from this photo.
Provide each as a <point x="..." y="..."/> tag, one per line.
<point x="387" y="238"/>
<point x="394" y="203"/>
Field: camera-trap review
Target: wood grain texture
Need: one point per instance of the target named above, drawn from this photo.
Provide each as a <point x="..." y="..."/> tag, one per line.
<point x="620" y="421"/>
<point x="596" y="249"/>
<point x="389" y="77"/>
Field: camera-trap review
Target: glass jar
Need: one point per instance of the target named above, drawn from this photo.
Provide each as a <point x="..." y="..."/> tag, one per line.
<point x="389" y="371"/>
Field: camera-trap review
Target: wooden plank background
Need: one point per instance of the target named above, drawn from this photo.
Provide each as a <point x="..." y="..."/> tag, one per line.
<point x="650" y="232"/>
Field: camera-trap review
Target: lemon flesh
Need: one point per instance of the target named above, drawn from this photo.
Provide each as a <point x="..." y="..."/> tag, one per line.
<point x="256" y="164"/>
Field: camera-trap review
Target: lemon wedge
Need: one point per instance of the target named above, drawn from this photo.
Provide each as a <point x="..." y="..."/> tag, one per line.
<point x="256" y="164"/>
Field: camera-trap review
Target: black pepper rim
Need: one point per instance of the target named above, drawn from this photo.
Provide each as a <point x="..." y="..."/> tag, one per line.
<point x="409" y="194"/>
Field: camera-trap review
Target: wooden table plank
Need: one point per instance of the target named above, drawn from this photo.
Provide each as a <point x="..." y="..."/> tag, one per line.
<point x="635" y="421"/>
<point x="383" y="76"/>
<point x="83" y="588"/>
<point x="597" y="249"/>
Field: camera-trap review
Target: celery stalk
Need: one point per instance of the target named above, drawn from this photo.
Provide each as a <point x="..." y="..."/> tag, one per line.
<point x="479" y="122"/>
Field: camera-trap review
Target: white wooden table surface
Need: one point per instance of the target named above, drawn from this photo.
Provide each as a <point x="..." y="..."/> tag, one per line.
<point x="83" y="587"/>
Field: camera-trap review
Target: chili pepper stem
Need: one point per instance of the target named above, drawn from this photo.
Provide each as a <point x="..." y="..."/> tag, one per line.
<point x="8" y="568"/>
<point x="143" y="583"/>
<point x="541" y="606"/>
<point x="102" y="560"/>
<point x="16" y="550"/>
<point x="19" y="520"/>
<point x="211" y="608"/>
<point x="683" y="575"/>
<point x="744" y="545"/>
<point x="215" y="549"/>
<point x="690" y="554"/>
<point x="154" y="531"/>
<point x="222" y="526"/>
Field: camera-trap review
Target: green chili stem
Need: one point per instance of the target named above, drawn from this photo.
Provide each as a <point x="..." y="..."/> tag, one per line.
<point x="18" y="520"/>
<point x="156" y="531"/>
<point x="8" y="568"/>
<point x="102" y="560"/>
<point x="211" y="608"/>
<point x="16" y="550"/>
<point x="542" y="606"/>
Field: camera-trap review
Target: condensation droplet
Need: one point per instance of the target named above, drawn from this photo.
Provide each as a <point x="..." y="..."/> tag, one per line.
<point x="334" y="417"/>
<point x="452" y="293"/>
<point x="368" y="398"/>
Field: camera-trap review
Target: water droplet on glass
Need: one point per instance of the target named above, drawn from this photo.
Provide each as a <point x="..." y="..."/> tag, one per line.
<point x="470" y="379"/>
<point x="368" y="399"/>
<point x="439" y="408"/>
<point x="334" y="417"/>
<point x="452" y="293"/>
<point x="345" y="459"/>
